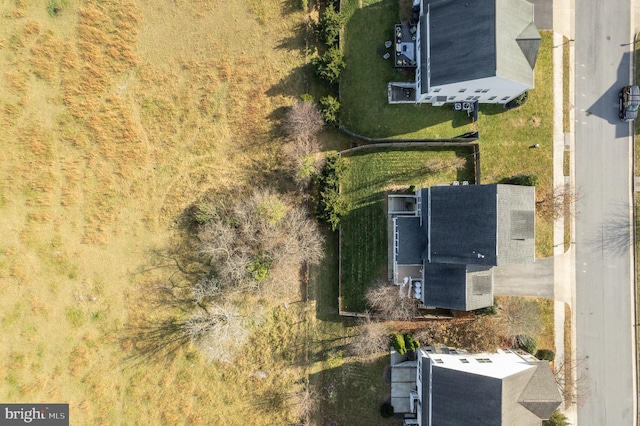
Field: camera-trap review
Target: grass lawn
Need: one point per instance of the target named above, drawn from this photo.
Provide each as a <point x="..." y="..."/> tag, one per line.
<point x="363" y="85"/>
<point x="364" y="229"/>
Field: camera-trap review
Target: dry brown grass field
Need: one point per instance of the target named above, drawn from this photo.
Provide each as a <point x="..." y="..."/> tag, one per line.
<point x="115" y="116"/>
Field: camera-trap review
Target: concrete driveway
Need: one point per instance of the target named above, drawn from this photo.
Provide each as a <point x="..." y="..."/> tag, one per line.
<point x="531" y="279"/>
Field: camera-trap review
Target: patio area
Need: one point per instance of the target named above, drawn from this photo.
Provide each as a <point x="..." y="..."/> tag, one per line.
<point x="405" y="45"/>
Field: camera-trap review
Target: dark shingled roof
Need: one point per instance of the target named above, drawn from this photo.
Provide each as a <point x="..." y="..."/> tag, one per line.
<point x="462" y="40"/>
<point x="445" y="286"/>
<point x="461" y="398"/>
<point x="412" y="240"/>
<point x="463" y="226"/>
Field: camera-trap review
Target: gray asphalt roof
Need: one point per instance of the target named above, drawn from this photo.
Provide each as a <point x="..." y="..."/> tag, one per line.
<point x="412" y="240"/>
<point x="463" y="226"/>
<point x="465" y="50"/>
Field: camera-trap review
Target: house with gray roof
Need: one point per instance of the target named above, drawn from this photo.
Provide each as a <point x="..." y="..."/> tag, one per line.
<point x="447" y="239"/>
<point x="467" y="51"/>
<point x="444" y="387"/>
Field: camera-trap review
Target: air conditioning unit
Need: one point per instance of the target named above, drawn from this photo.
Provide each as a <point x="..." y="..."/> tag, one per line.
<point x="457" y="106"/>
<point x="467" y="106"/>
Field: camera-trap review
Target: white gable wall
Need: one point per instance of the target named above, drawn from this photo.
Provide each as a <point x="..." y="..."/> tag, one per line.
<point x="490" y="90"/>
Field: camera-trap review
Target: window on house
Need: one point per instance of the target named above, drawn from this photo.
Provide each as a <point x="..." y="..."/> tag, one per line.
<point x="485" y="90"/>
<point x="469" y="98"/>
<point x="438" y="361"/>
<point x="484" y="360"/>
<point x="478" y="90"/>
<point x="505" y="98"/>
<point x="451" y="98"/>
<point x="475" y="98"/>
<point x="492" y="98"/>
<point x="464" y="360"/>
<point x="436" y="90"/>
<point x="462" y="90"/>
<point x="428" y="98"/>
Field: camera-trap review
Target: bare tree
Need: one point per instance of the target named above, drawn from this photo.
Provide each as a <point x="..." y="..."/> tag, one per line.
<point x="264" y="230"/>
<point x="571" y="381"/>
<point x="372" y="338"/>
<point x="303" y="121"/>
<point x="558" y="202"/>
<point x="519" y="315"/>
<point x="304" y="401"/>
<point x="219" y="331"/>
<point x="386" y="300"/>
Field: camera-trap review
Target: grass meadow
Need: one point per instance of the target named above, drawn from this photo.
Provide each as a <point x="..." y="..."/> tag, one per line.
<point x="115" y="117"/>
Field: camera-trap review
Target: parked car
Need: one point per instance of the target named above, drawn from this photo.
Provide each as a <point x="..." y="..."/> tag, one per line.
<point x="629" y="103"/>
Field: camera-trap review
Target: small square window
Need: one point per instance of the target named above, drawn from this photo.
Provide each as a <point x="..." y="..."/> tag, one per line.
<point x="428" y="98"/>
<point x="464" y="360"/>
<point x="485" y="90"/>
<point x="438" y="361"/>
<point x="436" y="90"/>
<point x="475" y="98"/>
<point x="462" y="90"/>
<point x="492" y="98"/>
<point x="505" y="98"/>
<point x="469" y="98"/>
<point x="478" y="90"/>
<point x="451" y="98"/>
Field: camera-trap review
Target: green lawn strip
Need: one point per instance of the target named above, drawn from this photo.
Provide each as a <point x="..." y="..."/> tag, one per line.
<point x="364" y="229"/>
<point x="568" y="359"/>
<point x="546" y="338"/>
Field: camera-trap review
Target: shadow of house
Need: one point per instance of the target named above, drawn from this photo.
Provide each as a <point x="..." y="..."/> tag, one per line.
<point x="445" y="248"/>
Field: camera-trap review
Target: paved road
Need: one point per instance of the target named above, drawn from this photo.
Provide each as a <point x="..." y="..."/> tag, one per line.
<point x="604" y="289"/>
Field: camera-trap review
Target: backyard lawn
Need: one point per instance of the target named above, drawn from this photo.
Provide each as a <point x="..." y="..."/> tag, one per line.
<point x="371" y="175"/>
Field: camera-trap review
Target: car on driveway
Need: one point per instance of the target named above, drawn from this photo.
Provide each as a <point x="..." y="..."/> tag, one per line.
<point x="629" y="103"/>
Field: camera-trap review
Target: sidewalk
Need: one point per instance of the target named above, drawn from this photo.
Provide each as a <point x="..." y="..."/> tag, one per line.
<point x="564" y="273"/>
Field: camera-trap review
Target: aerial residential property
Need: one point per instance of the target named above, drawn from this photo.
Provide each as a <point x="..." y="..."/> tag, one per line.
<point x="445" y="387"/>
<point x="481" y="51"/>
<point x="447" y="239"/>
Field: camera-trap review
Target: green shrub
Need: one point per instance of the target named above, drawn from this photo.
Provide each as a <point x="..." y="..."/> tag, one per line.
<point x="330" y="65"/>
<point x="304" y="5"/>
<point x="412" y="189"/>
<point x="332" y="206"/>
<point x="517" y="102"/>
<point x="330" y="109"/>
<point x="556" y="419"/>
<point x="526" y="343"/>
<point x="522" y="179"/>
<point x="397" y="340"/>
<point x="329" y="26"/>
<point x="386" y="410"/>
<point x="546" y="354"/>
<point x="305" y="97"/>
<point x="260" y="267"/>
<point x="489" y="310"/>
<point x="410" y="343"/>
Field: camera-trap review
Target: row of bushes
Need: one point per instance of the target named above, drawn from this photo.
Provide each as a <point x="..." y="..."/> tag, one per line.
<point x="332" y="206"/>
<point x="330" y="64"/>
<point x="529" y="345"/>
<point x="404" y="342"/>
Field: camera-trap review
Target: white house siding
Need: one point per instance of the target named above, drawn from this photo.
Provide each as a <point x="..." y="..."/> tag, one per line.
<point x="490" y="90"/>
